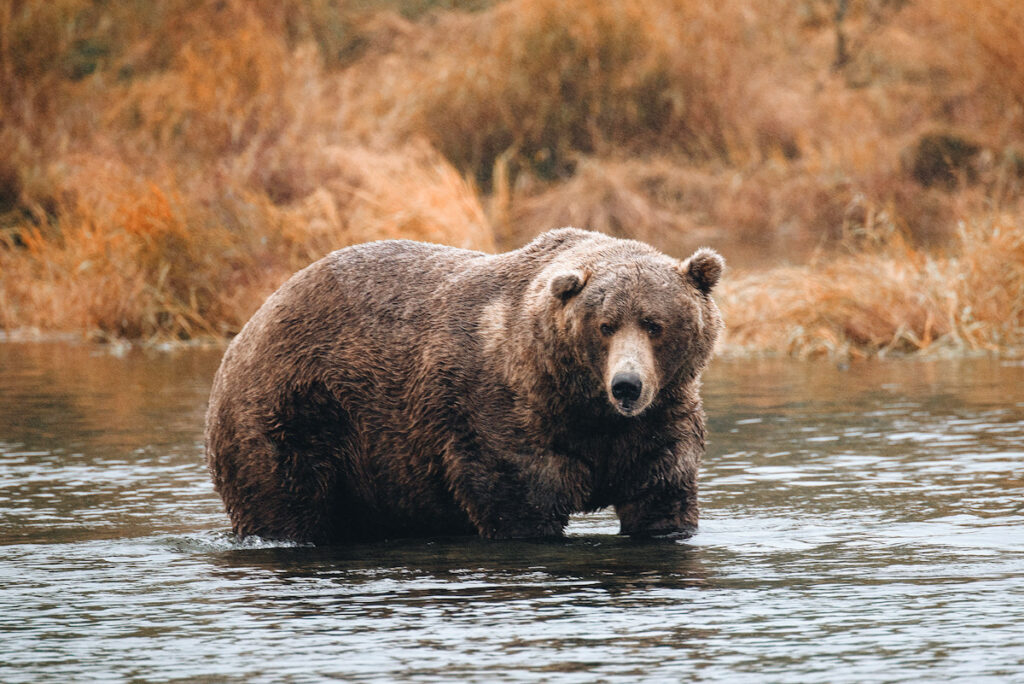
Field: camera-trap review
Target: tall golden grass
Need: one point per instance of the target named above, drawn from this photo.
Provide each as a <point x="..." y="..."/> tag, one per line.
<point x="164" y="166"/>
<point x="170" y="203"/>
<point x="893" y="299"/>
<point x="536" y="83"/>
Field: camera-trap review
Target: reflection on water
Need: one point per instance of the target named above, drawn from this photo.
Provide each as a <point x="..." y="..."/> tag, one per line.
<point x="860" y="524"/>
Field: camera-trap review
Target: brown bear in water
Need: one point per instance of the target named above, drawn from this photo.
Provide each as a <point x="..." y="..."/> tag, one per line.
<point x="398" y="389"/>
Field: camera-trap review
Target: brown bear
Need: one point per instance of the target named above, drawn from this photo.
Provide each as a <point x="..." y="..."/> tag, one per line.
<point x="397" y="389"/>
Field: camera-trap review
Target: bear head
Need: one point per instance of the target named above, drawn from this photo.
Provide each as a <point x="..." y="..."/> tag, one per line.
<point x="636" y="320"/>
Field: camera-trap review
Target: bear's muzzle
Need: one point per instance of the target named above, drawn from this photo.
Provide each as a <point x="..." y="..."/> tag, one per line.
<point x="630" y="372"/>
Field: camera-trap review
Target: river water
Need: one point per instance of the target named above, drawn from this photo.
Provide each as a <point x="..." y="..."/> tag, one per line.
<point x="864" y="524"/>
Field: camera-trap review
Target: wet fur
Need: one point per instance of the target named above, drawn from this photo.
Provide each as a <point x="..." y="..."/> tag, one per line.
<point x="403" y="389"/>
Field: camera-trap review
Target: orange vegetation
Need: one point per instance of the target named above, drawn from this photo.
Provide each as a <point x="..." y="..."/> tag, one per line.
<point x="164" y="166"/>
<point x="892" y="298"/>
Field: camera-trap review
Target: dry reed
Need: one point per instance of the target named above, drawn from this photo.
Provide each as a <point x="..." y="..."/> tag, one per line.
<point x="896" y="299"/>
<point x="535" y="82"/>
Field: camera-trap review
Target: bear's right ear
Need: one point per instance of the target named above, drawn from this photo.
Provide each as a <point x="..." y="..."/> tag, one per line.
<point x="565" y="285"/>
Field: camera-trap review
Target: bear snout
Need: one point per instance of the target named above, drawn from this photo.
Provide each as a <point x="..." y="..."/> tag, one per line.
<point x="626" y="387"/>
<point x="630" y="395"/>
<point x="630" y="376"/>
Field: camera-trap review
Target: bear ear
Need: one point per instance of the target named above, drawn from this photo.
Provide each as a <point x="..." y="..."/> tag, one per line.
<point x="565" y="285"/>
<point x="704" y="268"/>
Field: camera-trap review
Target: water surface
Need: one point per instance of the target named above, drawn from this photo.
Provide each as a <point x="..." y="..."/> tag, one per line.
<point x="865" y="524"/>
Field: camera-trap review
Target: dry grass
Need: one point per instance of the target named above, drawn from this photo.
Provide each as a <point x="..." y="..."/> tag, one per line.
<point x="137" y="260"/>
<point x="895" y="299"/>
<point x="678" y="206"/>
<point x="171" y="203"/>
<point x="163" y="166"/>
<point x="536" y="82"/>
<point x="986" y="39"/>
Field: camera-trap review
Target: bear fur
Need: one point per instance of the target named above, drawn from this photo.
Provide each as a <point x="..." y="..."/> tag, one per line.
<point x="398" y="389"/>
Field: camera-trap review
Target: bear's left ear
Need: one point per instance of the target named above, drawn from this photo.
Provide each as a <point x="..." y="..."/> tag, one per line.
<point x="565" y="285"/>
<point x="704" y="268"/>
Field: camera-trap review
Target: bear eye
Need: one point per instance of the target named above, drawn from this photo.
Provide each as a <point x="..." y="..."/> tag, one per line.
<point x="607" y="330"/>
<point x="653" y="329"/>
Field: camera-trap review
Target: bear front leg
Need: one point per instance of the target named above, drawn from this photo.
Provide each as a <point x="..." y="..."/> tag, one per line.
<point x="666" y="506"/>
<point x="517" y="496"/>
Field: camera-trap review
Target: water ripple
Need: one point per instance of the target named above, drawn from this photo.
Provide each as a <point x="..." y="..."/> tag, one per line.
<point x="865" y="525"/>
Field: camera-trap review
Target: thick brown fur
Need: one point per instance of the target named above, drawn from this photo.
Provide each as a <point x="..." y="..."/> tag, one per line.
<point x="404" y="389"/>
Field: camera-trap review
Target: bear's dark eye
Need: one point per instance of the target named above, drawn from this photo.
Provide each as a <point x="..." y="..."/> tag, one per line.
<point x="653" y="329"/>
<point x="607" y="330"/>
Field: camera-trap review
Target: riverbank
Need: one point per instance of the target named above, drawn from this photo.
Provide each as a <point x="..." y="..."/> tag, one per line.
<point x="889" y="298"/>
<point x="867" y="193"/>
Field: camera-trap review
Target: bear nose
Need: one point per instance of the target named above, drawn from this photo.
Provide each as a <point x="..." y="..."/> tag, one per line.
<point x="627" y="386"/>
